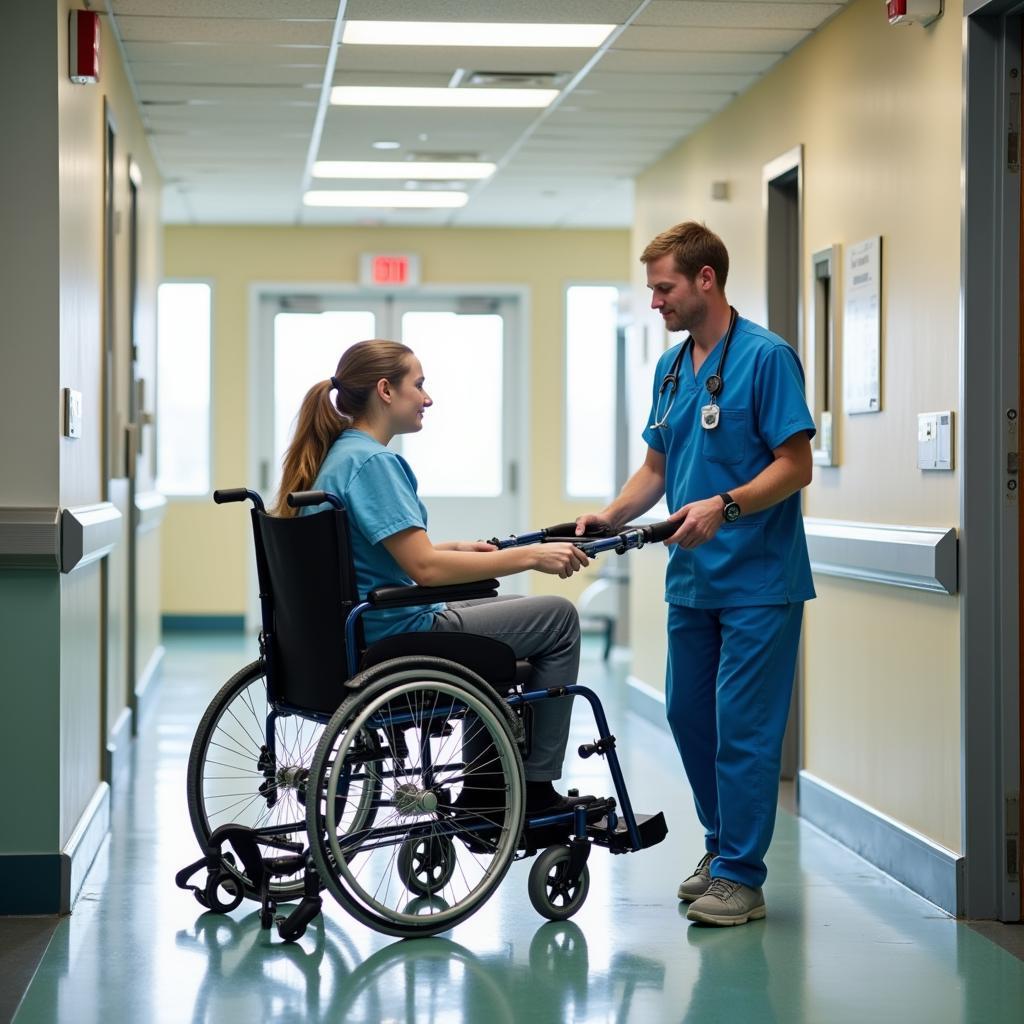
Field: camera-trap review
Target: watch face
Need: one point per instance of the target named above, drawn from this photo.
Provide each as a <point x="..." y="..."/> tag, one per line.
<point x="732" y="512"/>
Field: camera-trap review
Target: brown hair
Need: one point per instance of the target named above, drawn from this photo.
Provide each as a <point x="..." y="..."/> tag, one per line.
<point x="694" y="246"/>
<point x="321" y="421"/>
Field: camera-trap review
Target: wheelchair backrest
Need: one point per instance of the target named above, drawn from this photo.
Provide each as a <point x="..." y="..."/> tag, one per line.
<point x="307" y="589"/>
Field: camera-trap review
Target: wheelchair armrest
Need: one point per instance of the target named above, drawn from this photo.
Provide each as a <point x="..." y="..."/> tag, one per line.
<point x="406" y="597"/>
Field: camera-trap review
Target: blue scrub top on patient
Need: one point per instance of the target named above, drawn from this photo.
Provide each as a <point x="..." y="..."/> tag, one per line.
<point x="379" y="492"/>
<point x="762" y="558"/>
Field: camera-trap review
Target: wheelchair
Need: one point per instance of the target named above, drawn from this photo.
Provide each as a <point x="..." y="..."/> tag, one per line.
<point x="390" y="774"/>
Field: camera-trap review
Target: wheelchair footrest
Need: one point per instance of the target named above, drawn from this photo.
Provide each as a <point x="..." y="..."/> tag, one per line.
<point x="652" y="829"/>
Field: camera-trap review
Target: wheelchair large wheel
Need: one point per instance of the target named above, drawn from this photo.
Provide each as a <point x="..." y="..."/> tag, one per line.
<point x="250" y="766"/>
<point x="431" y="797"/>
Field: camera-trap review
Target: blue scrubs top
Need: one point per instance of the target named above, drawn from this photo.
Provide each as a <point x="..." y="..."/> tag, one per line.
<point x="761" y="559"/>
<point x="379" y="492"/>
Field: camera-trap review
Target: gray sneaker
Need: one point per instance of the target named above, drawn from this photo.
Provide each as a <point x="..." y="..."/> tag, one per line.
<point x="727" y="902"/>
<point x="697" y="884"/>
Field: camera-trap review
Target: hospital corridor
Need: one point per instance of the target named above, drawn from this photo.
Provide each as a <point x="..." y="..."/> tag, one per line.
<point x="510" y="511"/>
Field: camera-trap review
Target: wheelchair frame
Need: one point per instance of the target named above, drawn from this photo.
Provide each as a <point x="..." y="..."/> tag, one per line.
<point x="425" y="850"/>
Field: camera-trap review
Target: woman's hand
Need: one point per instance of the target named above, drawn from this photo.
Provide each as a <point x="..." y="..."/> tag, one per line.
<point x="558" y="559"/>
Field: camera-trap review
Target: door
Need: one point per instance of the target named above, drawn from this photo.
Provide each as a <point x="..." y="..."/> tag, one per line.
<point x="1020" y="518"/>
<point x="115" y="617"/>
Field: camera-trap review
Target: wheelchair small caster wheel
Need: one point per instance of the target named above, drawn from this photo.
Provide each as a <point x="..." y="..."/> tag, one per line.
<point x="553" y="893"/>
<point x="267" y="918"/>
<point x="227" y="883"/>
<point x="426" y="865"/>
<point x="291" y="934"/>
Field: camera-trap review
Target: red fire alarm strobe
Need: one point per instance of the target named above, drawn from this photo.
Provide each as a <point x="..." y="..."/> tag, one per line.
<point x="84" y="47"/>
<point x="913" y="12"/>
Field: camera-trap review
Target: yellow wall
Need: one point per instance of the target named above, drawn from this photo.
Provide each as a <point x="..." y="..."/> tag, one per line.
<point x="877" y="110"/>
<point x="206" y="549"/>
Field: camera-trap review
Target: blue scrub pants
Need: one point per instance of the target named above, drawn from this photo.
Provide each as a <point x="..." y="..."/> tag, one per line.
<point x="730" y="678"/>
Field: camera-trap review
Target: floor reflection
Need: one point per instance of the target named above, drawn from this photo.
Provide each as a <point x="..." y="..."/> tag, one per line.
<point x="429" y="981"/>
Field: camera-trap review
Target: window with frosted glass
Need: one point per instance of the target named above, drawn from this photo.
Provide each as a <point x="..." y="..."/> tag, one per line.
<point x="183" y="388"/>
<point x="591" y="318"/>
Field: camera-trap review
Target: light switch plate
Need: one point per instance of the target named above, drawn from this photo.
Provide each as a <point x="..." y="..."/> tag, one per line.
<point x="72" y="413"/>
<point x="935" y="440"/>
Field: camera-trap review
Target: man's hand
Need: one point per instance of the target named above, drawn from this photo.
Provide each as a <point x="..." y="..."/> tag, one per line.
<point x="700" y="522"/>
<point x="583" y="523"/>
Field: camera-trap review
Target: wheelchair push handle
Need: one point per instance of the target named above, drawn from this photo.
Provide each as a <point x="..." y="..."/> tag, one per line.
<point x="301" y="499"/>
<point x="223" y="496"/>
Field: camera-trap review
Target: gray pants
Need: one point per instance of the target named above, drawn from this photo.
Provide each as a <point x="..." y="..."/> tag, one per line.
<point x="546" y="632"/>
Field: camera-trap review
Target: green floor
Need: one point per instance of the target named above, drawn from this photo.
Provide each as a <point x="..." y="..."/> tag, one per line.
<point x="841" y="942"/>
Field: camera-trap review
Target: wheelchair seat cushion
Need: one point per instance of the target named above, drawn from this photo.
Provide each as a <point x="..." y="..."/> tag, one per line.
<point x="488" y="658"/>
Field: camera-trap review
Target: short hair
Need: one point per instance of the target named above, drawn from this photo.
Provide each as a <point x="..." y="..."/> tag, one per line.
<point x="694" y="246"/>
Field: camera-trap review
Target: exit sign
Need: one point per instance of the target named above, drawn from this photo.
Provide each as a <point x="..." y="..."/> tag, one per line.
<point x="389" y="270"/>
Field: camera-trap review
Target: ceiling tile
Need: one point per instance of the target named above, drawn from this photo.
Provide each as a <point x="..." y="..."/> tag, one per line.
<point x="326" y="9"/>
<point x="651" y="83"/>
<point x="224" y="54"/>
<point x="225" y="30"/>
<point x="186" y="73"/>
<point x="710" y="40"/>
<point x="662" y="61"/>
<point x="736" y="15"/>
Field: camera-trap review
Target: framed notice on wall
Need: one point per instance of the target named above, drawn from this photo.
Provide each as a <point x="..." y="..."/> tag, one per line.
<point x="862" y="327"/>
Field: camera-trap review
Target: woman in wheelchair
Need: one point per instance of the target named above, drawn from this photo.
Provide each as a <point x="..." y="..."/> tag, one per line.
<point x="391" y="771"/>
<point x="343" y="428"/>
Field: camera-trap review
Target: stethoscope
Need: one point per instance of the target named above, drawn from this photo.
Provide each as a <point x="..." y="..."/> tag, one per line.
<point x="709" y="414"/>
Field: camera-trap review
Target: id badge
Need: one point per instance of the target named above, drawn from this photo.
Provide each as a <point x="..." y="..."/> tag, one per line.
<point x="709" y="416"/>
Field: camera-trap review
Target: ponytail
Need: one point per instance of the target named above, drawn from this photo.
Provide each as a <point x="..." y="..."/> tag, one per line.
<point x="318" y="426"/>
<point x="321" y="421"/>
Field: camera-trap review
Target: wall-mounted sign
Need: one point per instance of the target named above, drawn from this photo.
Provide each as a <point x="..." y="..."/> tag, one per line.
<point x="862" y="327"/>
<point x="389" y="270"/>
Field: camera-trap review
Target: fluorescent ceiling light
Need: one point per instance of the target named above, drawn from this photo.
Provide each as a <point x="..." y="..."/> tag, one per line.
<point x="386" y="144"/>
<point x="383" y="200"/>
<point x="400" y="96"/>
<point x="405" y="170"/>
<point x="468" y="33"/>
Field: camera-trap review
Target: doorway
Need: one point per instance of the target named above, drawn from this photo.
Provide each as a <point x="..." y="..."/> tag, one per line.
<point x="116" y="684"/>
<point x="783" y="183"/>
<point x="991" y="566"/>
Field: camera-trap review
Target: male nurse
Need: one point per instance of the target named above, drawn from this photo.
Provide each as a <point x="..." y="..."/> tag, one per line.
<point x="728" y="444"/>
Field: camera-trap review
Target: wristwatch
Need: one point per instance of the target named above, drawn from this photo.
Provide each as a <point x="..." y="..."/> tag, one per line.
<point x="730" y="511"/>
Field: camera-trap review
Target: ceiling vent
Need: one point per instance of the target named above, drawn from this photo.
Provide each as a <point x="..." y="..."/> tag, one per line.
<point x="467" y="79"/>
